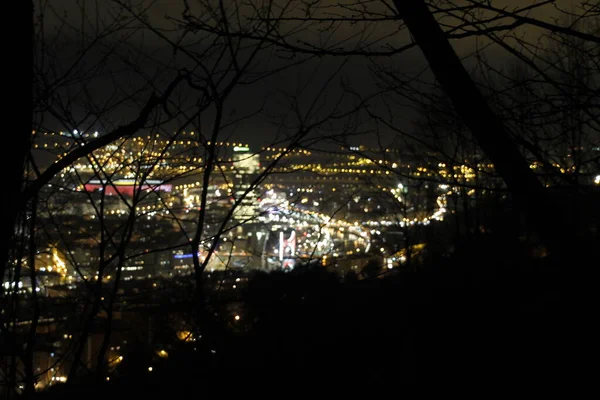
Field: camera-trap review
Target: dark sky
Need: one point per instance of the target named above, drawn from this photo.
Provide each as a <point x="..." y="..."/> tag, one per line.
<point x="139" y="56"/>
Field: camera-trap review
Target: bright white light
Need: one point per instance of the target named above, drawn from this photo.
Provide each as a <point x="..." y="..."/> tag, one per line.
<point x="597" y="180"/>
<point x="280" y="246"/>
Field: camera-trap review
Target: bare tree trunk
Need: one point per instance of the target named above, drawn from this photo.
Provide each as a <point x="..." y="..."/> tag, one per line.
<point x="102" y="365"/>
<point x="14" y="168"/>
<point x="21" y="134"/>
<point x="486" y="127"/>
<point x="96" y="294"/>
<point x="28" y="359"/>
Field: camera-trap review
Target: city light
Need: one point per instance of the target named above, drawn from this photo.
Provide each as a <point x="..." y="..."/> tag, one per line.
<point x="163" y="354"/>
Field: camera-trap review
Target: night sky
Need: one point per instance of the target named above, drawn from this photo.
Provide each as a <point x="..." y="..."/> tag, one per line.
<point x="156" y="56"/>
<point x="115" y="78"/>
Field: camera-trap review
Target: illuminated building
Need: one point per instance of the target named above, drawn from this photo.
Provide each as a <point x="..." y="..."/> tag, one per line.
<point x="126" y="186"/>
<point x="246" y="168"/>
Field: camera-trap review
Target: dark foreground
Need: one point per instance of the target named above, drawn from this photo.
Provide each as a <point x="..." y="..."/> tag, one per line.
<point x="479" y="315"/>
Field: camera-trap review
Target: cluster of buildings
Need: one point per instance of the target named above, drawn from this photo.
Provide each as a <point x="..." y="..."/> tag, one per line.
<point x="253" y="199"/>
<point x="130" y="211"/>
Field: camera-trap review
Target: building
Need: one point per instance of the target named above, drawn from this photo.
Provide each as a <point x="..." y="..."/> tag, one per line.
<point x="246" y="168"/>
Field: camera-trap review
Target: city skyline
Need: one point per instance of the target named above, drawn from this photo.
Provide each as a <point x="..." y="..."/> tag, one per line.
<point x="299" y="193"/>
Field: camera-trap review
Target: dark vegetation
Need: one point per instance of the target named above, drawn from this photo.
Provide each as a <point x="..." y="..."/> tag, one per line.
<point x="492" y="308"/>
